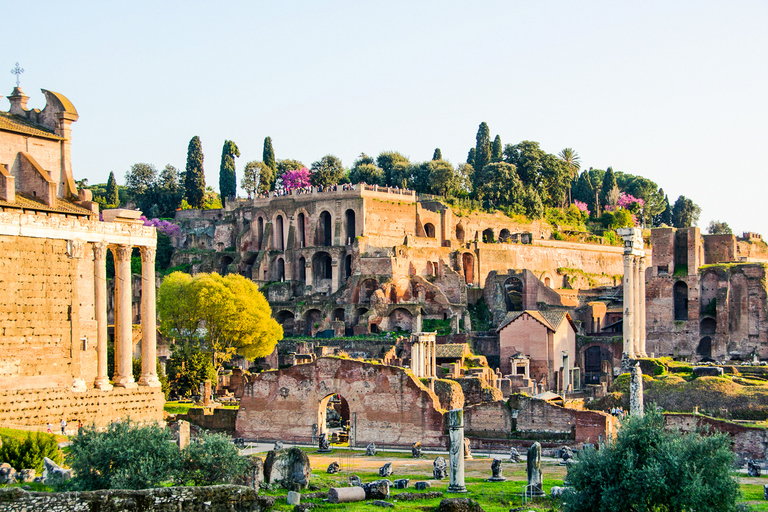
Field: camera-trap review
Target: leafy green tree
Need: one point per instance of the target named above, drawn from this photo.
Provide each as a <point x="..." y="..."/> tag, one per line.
<point x="583" y="191"/>
<point x="221" y="315"/>
<point x="327" y="171"/>
<point x="187" y="369"/>
<point x="257" y="177"/>
<point x="685" y="213"/>
<point x="211" y="199"/>
<point x="649" y="468"/>
<point x="556" y="181"/>
<point x="123" y="456"/>
<point x="471" y="157"/>
<point x="194" y="179"/>
<point x="649" y="192"/>
<point x="395" y="166"/>
<point x="163" y="196"/>
<point x="209" y="460"/>
<point x="482" y="147"/>
<point x="227" y="172"/>
<point x="444" y="180"/>
<point x="499" y="184"/>
<point x="719" y="228"/>
<point x="526" y="156"/>
<point x="664" y="217"/>
<point x="28" y="453"/>
<point x="437" y="155"/>
<point x="534" y="207"/>
<point x="268" y="155"/>
<point x="112" y="198"/>
<point x="497" y="150"/>
<point x="139" y="178"/>
<point x="366" y="173"/>
<point x="609" y="188"/>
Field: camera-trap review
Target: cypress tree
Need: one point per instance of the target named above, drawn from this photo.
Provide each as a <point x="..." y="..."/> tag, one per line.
<point x="471" y="157"/>
<point x="609" y="183"/>
<point x="194" y="180"/>
<point x="496" y="150"/>
<point x="482" y="148"/>
<point x="113" y="198"/>
<point x="227" y="173"/>
<point x="268" y="155"/>
<point x="438" y="155"/>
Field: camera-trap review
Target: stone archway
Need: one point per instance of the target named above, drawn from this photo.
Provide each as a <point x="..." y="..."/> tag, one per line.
<point x="333" y="414"/>
<point x="387" y="405"/>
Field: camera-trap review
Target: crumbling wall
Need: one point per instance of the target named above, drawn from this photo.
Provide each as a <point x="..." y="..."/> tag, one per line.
<point x="749" y="442"/>
<point x="450" y="394"/>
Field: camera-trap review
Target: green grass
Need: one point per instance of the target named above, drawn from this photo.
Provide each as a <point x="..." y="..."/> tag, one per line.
<point x="177" y="408"/>
<point x="22" y="434"/>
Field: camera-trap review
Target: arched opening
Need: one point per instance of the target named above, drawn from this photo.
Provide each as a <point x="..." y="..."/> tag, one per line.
<point x="592" y="360"/>
<point x="259" y="232"/>
<point x="400" y="320"/>
<point x="459" y="233"/>
<point x="429" y="230"/>
<point x="287" y="319"/>
<point x="324" y="236"/>
<point x="680" y="293"/>
<point x="302" y="234"/>
<point x="705" y="348"/>
<point x="226" y="261"/>
<point x="323" y="268"/>
<point x="349" y="217"/>
<point x="333" y="417"/>
<point x="359" y="312"/>
<point x="338" y="314"/>
<point x="468" y="262"/>
<point x="280" y="275"/>
<point x="367" y="288"/>
<point x="488" y="237"/>
<point x="249" y="265"/>
<point x="279" y="242"/>
<point x="514" y="293"/>
<point x="708" y="326"/>
<point x="312" y="321"/>
<point x="548" y="282"/>
<point x="347" y="266"/>
<point x="505" y="236"/>
<point x="301" y="270"/>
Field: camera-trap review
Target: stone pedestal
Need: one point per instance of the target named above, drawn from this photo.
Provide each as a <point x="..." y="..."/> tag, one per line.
<point x="636" y="391"/>
<point x="535" y="479"/>
<point x="456" y="451"/>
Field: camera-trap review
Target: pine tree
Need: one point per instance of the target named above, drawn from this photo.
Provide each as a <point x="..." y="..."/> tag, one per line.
<point x="113" y="198"/>
<point x="268" y="156"/>
<point x="438" y="155"/>
<point x="482" y="148"/>
<point x="227" y="173"/>
<point x="496" y="150"/>
<point x="194" y="180"/>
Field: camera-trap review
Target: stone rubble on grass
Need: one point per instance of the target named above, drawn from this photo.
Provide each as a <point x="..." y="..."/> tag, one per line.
<point x="289" y="468"/>
<point x="7" y="474"/>
<point x="422" y="486"/>
<point x="496" y="471"/>
<point x="346" y="494"/>
<point x="377" y="490"/>
<point x="753" y="469"/>
<point x="278" y="446"/>
<point x="370" y="450"/>
<point x="354" y="481"/>
<point x="333" y="468"/>
<point x="381" y="503"/>
<point x="385" y="470"/>
<point x="416" y="450"/>
<point x="439" y="468"/>
<point x="293" y="498"/>
<point x="54" y="473"/>
<point x="514" y="455"/>
<point x="402" y="483"/>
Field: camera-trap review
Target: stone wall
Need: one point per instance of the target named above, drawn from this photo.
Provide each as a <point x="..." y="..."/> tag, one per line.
<point x="50" y="405"/>
<point x="488" y="420"/>
<point x="215" y="498"/>
<point x="541" y="417"/>
<point x="212" y="419"/>
<point x="387" y="405"/>
<point x="749" y="442"/>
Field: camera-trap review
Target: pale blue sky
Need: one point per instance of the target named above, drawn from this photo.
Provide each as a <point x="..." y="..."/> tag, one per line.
<point x="674" y="91"/>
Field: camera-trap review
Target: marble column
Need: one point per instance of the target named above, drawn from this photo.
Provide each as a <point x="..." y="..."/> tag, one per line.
<point x="123" y="318"/>
<point x="415" y="358"/>
<point x="641" y="306"/>
<point x="148" y="320"/>
<point x="334" y="275"/>
<point x="636" y="304"/>
<point x="433" y="360"/>
<point x="629" y="310"/>
<point x="100" y="304"/>
<point x="456" y="450"/>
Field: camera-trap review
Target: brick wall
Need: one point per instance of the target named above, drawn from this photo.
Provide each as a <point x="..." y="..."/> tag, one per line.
<point x="747" y="441"/>
<point x="488" y="420"/>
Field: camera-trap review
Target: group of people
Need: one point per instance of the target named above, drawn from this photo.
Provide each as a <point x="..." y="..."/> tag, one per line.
<point x="64" y="427"/>
<point x="305" y="190"/>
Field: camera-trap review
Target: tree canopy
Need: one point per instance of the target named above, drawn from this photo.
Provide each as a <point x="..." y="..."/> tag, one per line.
<point x="112" y="197"/>
<point x="327" y="171"/>
<point x="194" y="179"/>
<point x="482" y="154"/>
<point x="268" y="155"/>
<point x="647" y="467"/>
<point x="685" y="213"/>
<point x="220" y="315"/>
<point x="719" y="228"/>
<point x="227" y="172"/>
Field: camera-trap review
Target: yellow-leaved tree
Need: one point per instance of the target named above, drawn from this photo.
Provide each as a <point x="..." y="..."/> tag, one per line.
<point x="222" y="315"/>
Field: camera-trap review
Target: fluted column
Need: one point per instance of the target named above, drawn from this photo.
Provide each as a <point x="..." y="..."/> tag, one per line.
<point x="636" y="304"/>
<point x="641" y="305"/>
<point x="123" y="318"/>
<point x="100" y="305"/>
<point x="148" y="320"/>
<point x="628" y="324"/>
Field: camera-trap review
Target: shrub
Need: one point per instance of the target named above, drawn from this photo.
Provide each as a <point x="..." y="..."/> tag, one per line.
<point x="211" y="459"/>
<point x="124" y="456"/>
<point x="29" y="452"/>
<point x="650" y="468"/>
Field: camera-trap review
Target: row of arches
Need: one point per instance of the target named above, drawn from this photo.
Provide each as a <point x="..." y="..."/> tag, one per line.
<point x="487" y="236"/>
<point x="321" y="268"/>
<point x="314" y="320"/>
<point x="323" y="232"/>
<point x="737" y="297"/>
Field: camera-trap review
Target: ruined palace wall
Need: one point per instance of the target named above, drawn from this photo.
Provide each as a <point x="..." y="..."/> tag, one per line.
<point x="387" y="405"/>
<point x="47" y="308"/>
<point x="388" y="223"/>
<point x="50" y="405"/>
<point x="749" y="442"/>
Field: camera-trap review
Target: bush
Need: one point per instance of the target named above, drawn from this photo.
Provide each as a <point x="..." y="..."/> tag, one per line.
<point x="124" y="456"/>
<point x="29" y="452"/>
<point x="650" y="468"/>
<point x="211" y="459"/>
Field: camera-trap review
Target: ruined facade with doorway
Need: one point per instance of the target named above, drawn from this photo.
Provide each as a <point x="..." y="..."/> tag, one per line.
<point x="53" y="326"/>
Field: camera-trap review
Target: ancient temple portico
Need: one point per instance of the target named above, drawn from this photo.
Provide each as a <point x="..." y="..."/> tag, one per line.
<point x="634" y="293"/>
<point x="423" y="355"/>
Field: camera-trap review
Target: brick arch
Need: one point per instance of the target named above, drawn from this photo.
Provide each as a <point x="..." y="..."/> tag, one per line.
<point x="387" y="405"/>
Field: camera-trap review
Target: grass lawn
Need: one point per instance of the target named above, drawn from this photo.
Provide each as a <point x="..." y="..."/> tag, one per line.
<point x="184" y="407"/>
<point x="21" y="434"/>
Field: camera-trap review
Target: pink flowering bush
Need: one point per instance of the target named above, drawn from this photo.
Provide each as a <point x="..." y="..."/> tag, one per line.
<point x="630" y="202"/>
<point x="296" y="178"/>
<point x="165" y="227"/>
<point x="581" y="206"/>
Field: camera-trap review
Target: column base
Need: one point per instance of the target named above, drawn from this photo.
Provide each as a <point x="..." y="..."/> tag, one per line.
<point x="457" y="488"/>
<point x="125" y="382"/>
<point x="102" y="384"/>
<point x="149" y="380"/>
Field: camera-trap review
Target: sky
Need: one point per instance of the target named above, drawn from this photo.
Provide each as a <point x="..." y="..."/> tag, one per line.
<point x="675" y="91"/>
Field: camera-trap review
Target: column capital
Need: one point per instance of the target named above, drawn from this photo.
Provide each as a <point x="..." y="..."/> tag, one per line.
<point x="75" y="248"/>
<point x="121" y="252"/>
<point x="100" y="250"/>
<point x="641" y="263"/>
<point x="147" y="254"/>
